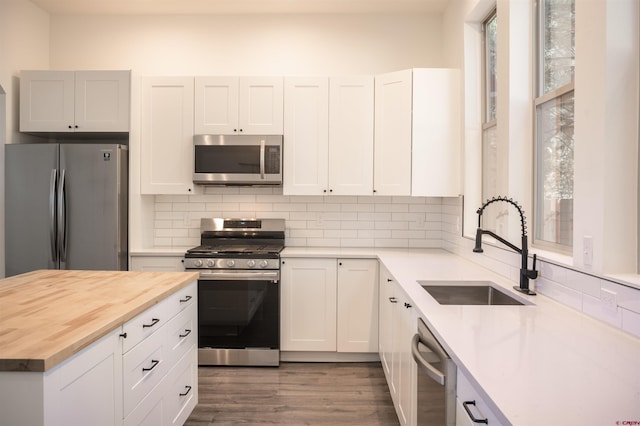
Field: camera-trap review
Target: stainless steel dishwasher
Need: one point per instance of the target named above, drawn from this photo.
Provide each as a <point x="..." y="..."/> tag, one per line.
<point x="436" y="402"/>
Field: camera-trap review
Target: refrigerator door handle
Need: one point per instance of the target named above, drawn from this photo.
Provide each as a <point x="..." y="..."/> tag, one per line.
<point x="62" y="217"/>
<point x="52" y="216"/>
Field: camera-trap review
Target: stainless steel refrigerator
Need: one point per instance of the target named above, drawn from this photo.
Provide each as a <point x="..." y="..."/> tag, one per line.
<point x="66" y="207"/>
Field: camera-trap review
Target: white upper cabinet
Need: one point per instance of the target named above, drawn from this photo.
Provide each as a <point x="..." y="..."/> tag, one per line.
<point x="239" y="105"/>
<point x="75" y="101"/>
<point x="306" y="136"/>
<point x="417" y="133"/>
<point x="392" y="163"/>
<point x="166" y="135"/>
<point x="328" y="136"/>
<point x="351" y="135"/>
<point x="436" y="132"/>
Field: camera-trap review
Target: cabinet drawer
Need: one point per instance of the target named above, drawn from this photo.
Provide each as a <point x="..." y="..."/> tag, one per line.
<point x="466" y="392"/>
<point x="182" y="332"/>
<point x="182" y="299"/>
<point x="149" y="413"/>
<point x="143" y="368"/>
<point x="144" y="325"/>
<point x="182" y="389"/>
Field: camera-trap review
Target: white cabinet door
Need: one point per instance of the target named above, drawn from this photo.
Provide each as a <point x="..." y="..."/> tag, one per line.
<point x="47" y="101"/>
<point x="392" y="166"/>
<point x="306" y="136"/>
<point x="261" y="105"/>
<point x="357" y="305"/>
<point x="351" y="135"/>
<point x="239" y="105"/>
<point x="86" y="389"/>
<point x="102" y="101"/>
<point x="74" y="101"/>
<point x="436" y="133"/>
<point x="398" y="324"/>
<point x="166" y="139"/>
<point x="308" y="304"/>
<point x="406" y="366"/>
<point x="386" y="325"/>
<point x="216" y="108"/>
<point x="481" y="410"/>
<point x="157" y="263"/>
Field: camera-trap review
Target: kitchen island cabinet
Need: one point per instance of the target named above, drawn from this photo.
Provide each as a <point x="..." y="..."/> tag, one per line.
<point x="67" y="337"/>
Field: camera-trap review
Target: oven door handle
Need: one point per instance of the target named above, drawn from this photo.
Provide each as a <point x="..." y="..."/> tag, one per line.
<point x="240" y="276"/>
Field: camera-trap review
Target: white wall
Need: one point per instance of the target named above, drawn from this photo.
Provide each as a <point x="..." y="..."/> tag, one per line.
<point x="24" y="44"/>
<point x="247" y="44"/>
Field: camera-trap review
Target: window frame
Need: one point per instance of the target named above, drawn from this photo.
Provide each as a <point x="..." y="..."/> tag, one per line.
<point x="541" y="98"/>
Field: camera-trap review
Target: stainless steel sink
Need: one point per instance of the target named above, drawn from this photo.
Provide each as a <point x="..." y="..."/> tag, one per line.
<point x="468" y="293"/>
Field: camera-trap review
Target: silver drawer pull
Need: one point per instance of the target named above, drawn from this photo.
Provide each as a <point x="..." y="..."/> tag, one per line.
<point x="186" y="333"/>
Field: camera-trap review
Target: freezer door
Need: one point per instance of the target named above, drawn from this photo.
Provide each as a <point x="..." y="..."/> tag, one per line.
<point x="94" y="227"/>
<point x="29" y="237"/>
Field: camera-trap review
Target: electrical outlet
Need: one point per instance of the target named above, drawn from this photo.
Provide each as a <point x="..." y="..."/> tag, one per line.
<point x="587" y="250"/>
<point x="609" y="298"/>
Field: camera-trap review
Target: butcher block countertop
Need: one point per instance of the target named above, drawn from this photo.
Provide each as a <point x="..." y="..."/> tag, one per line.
<point x="47" y="316"/>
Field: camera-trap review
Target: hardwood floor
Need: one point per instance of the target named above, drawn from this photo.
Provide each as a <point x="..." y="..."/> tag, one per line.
<point x="294" y="394"/>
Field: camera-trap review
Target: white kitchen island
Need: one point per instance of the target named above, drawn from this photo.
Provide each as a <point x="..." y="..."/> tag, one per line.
<point x="98" y="347"/>
<point x="539" y="364"/>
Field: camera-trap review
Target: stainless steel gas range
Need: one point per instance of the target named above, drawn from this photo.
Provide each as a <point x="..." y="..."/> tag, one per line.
<point x="238" y="290"/>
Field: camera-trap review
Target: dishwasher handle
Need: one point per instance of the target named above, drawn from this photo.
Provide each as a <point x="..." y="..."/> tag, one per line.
<point x="431" y="371"/>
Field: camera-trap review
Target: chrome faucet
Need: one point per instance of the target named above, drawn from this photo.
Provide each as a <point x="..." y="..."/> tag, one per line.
<point x="526" y="274"/>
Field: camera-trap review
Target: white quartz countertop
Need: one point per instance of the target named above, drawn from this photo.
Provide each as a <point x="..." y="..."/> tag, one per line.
<point x="541" y="364"/>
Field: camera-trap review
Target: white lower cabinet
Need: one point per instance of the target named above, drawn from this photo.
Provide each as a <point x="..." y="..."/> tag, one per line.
<point x="476" y="405"/>
<point x="143" y="373"/>
<point x="160" y="376"/>
<point x="85" y="389"/>
<point x="397" y="325"/>
<point x="329" y="305"/>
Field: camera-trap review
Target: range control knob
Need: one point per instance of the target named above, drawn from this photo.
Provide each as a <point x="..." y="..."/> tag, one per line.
<point x="211" y="263"/>
<point x="251" y="263"/>
<point x="198" y="263"/>
<point x="263" y="263"/>
<point x="231" y="263"/>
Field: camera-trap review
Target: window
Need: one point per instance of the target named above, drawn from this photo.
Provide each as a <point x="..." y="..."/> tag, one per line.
<point x="554" y="141"/>
<point x="489" y="122"/>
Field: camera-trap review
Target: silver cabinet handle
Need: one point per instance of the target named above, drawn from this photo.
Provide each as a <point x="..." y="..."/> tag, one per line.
<point x="437" y="375"/>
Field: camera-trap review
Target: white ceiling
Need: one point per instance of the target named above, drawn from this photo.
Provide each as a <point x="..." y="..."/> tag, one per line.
<point x="151" y="7"/>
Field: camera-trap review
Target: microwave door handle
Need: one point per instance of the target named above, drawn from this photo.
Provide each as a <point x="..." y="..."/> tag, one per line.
<point x="262" y="153"/>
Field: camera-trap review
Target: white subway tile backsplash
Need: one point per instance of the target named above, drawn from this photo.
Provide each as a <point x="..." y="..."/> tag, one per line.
<point x="596" y="308"/>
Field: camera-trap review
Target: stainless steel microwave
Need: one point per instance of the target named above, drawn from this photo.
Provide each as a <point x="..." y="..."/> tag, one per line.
<point x="237" y="160"/>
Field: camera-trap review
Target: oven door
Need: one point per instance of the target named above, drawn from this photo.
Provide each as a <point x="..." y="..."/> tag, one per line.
<point x="238" y="318"/>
